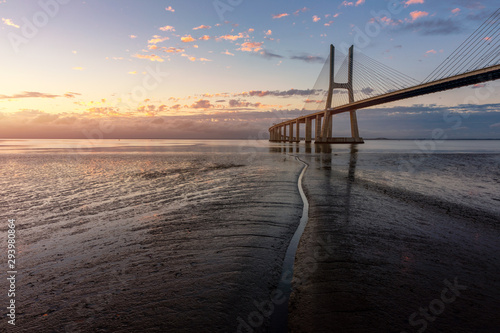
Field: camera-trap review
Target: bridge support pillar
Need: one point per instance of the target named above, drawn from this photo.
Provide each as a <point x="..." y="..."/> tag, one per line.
<point x="308" y="129"/>
<point x="318" y="129"/>
<point x="290" y="137"/>
<point x="354" y="125"/>
<point x="297" y="136"/>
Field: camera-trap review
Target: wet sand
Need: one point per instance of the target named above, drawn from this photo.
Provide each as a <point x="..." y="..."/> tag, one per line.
<point x="190" y="243"/>
<point x="158" y="262"/>
<point x="373" y="256"/>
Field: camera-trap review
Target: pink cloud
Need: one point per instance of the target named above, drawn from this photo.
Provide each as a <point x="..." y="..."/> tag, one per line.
<point x="455" y="11"/>
<point x="170" y="9"/>
<point x="359" y="2"/>
<point x="346" y="4"/>
<point x="413" y="2"/>
<point x="302" y="10"/>
<point x="316" y="18"/>
<point x="202" y="27"/>
<point x="277" y="16"/>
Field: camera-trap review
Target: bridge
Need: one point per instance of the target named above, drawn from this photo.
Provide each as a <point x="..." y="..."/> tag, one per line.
<point x="475" y="61"/>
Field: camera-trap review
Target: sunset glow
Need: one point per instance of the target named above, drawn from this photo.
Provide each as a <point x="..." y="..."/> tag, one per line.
<point x="192" y="68"/>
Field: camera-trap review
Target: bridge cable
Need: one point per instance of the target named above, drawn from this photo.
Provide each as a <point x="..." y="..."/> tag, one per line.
<point x="452" y="58"/>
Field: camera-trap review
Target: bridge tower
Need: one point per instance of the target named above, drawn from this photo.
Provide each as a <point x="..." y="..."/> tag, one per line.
<point x="325" y="134"/>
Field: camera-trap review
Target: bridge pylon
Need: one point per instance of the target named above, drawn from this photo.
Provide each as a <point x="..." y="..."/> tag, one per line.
<point x="325" y="134"/>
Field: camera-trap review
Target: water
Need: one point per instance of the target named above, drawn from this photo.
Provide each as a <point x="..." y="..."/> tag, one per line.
<point x="117" y="233"/>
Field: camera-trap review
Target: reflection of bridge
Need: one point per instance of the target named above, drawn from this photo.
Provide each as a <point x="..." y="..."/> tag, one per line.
<point x="475" y="61"/>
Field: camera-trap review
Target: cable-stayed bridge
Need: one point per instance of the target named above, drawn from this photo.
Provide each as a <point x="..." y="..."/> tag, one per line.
<point x="364" y="82"/>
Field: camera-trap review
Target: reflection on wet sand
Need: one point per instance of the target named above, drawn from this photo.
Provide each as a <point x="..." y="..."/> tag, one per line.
<point x="370" y="258"/>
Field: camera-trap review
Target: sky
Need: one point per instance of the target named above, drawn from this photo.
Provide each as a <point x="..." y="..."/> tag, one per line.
<point x="225" y="68"/>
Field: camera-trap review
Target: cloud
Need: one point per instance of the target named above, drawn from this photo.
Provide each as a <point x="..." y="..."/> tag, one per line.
<point x="172" y="49"/>
<point x="269" y="55"/>
<point x="302" y="10"/>
<point x="367" y="90"/>
<point x="78" y="68"/>
<point x="232" y="37"/>
<point x="133" y="36"/>
<point x="360" y="2"/>
<point x="227" y="53"/>
<point x="201" y="104"/>
<point x="132" y="73"/>
<point x="455" y="11"/>
<point x="187" y="39"/>
<point x="29" y="94"/>
<point x="251" y="46"/>
<point x="151" y="57"/>
<point x="170" y="9"/>
<point x="418" y="14"/>
<point x="71" y="94"/>
<point x="167" y="28"/>
<point x="413" y="2"/>
<point x="268" y="33"/>
<point x="10" y="23"/>
<point x="316" y="18"/>
<point x="312" y="101"/>
<point x="202" y="27"/>
<point x="431" y="51"/>
<point x="278" y="16"/>
<point x="191" y="58"/>
<point x="278" y="93"/>
<point x="308" y="58"/>
<point x="434" y="27"/>
<point x="157" y="39"/>
<point x="346" y="4"/>
<point x="205" y="37"/>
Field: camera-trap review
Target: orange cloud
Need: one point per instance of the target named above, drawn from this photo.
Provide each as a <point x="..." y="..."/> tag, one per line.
<point x="251" y="46"/>
<point x="360" y="2"/>
<point x="157" y="39"/>
<point x="170" y="9"/>
<point x="418" y="14"/>
<point x="152" y="57"/>
<point x="316" y="18"/>
<point x="232" y="37"/>
<point x="277" y="16"/>
<point x="172" y="50"/>
<point x="167" y="28"/>
<point x="455" y="11"/>
<point x="187" y="39"/>
<point x="206" y="37"/>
